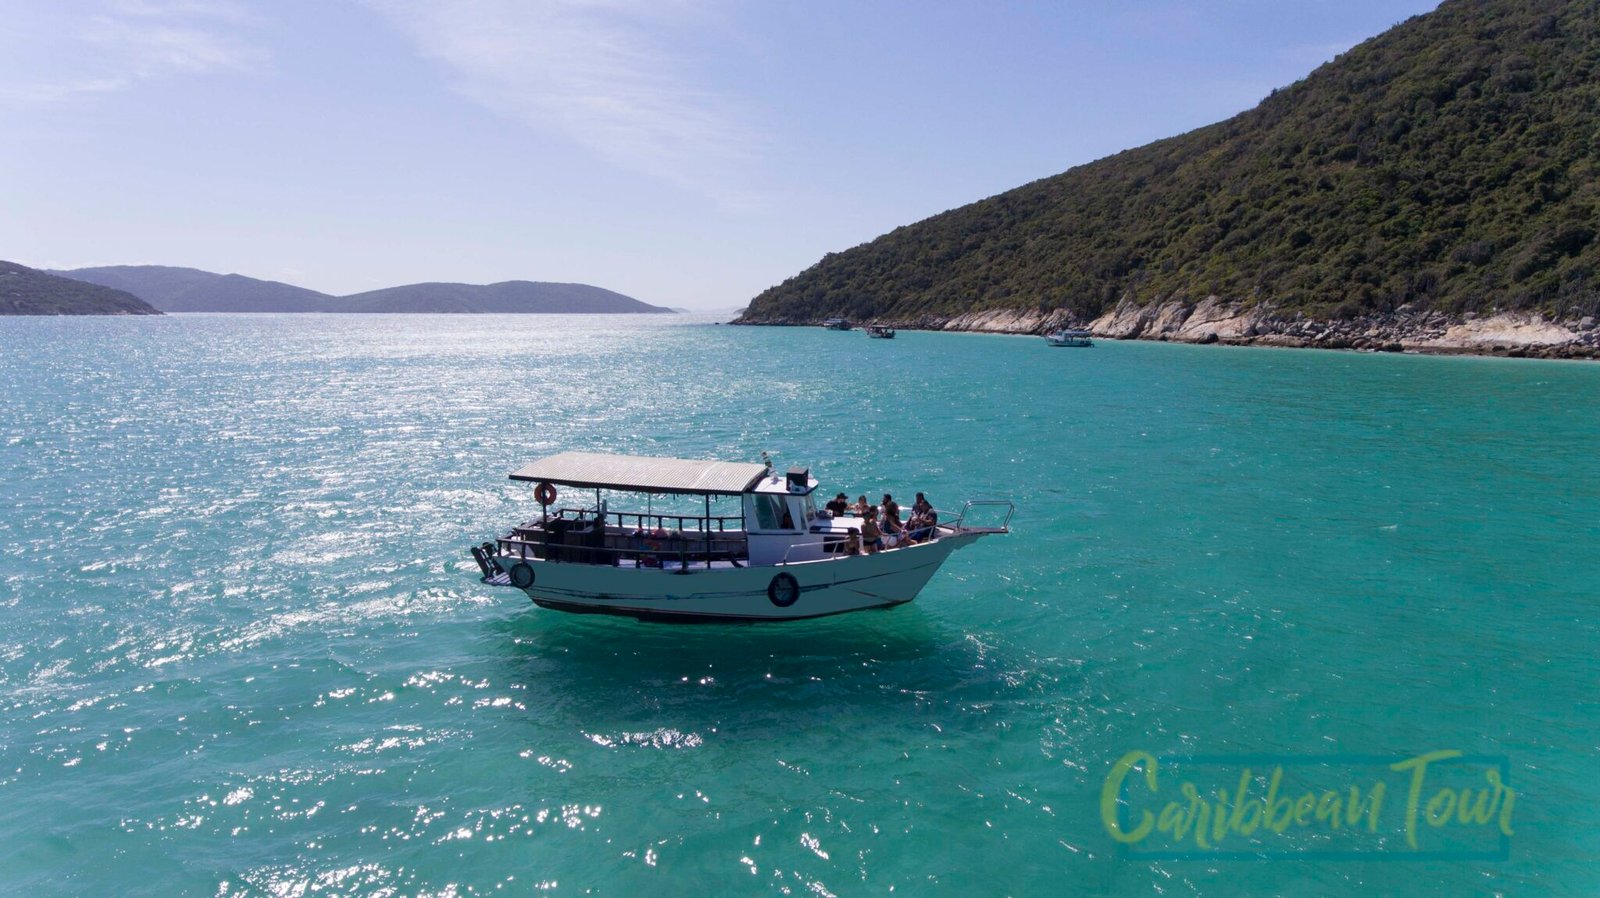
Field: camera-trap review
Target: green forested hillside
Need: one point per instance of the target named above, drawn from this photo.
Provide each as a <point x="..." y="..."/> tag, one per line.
<point x="1451" y="163"/>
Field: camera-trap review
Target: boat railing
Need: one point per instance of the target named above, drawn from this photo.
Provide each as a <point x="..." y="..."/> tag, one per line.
<point x="830" y="547"/>
<point x="642" y="519"/>
<point x="581" y="536"/>
<point x="960" y="523"/>
<point x="834" y="544"/>
<point x="687" y="553"/>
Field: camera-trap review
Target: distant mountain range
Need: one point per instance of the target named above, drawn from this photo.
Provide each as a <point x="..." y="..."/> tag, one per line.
<point x="28" y="291"/>
<point x="172" y="289"/>
<point x="190" y="290"/>
<point x="504" y="297"/>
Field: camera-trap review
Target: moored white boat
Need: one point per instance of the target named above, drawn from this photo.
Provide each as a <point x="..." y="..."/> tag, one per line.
<point x="777" y="558"/>
<point x="1070" y="338"/>
<point x="881" y="331"/>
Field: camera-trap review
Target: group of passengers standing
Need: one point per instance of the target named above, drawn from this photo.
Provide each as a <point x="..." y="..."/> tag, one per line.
<point x="881" y="526"/>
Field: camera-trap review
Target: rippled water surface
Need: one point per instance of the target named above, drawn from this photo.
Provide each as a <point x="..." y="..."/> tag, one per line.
<point x="243" y="650"/>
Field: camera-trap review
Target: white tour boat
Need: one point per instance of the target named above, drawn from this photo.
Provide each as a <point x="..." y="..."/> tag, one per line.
<point x="778" y="557"/>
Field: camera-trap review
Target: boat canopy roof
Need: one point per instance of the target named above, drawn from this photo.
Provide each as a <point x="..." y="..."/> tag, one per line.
<point x="643" y="474"/>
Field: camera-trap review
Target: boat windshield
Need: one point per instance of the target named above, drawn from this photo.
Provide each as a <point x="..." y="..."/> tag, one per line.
<point x="769" y="511"/>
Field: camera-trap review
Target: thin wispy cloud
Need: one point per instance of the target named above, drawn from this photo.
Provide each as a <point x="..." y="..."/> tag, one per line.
<point x="602" y="73"/>
<point x="53" y="92"/>
<point x="115" y="45"/>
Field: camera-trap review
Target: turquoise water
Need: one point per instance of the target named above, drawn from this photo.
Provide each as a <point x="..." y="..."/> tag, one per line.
<point x="243" y="650"/>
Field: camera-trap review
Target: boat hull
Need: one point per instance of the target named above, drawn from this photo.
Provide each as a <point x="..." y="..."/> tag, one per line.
<point x="819" y="588"/>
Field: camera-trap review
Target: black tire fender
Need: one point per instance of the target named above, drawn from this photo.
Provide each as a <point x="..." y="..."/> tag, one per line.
<point x="521" y="575"/>
<point x="784" y="590"/>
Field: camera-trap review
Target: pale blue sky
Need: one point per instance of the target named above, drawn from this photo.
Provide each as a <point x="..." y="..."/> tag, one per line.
<point x="686" y="152"/>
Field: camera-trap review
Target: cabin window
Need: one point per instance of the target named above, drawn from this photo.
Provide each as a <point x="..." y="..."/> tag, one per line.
<point x="769" y="512"/>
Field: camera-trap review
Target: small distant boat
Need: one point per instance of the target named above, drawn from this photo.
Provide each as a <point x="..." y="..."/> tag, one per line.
<point x="1069" y="338"/>
<point x="774" y="556"/>
<point x="837" y="324"/>
<point x="881" y="331"/>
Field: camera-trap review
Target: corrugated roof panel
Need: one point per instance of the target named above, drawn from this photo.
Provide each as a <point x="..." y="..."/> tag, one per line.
<point x="642" y="473"/>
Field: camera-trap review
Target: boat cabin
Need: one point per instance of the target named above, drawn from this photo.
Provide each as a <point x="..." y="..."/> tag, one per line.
<point x="776" y="522"/>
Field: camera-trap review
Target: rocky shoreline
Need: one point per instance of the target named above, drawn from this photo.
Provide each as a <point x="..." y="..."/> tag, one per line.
<point x="1513" y="334"/>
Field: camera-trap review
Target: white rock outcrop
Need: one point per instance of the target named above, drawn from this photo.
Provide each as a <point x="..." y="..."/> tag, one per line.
<point x="1213" y="320"/>
<point x="1505" y="329"/>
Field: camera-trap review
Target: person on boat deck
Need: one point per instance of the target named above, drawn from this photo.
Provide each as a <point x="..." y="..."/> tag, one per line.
<point x="871" y="536"/>
<point x="922" y="505"/>
<point x="862" y="507"/>
<point x="838" y="506"/>
<point x="921" y="525"/>
<point x="891" y="515"/>
<point x="852" y="543"/>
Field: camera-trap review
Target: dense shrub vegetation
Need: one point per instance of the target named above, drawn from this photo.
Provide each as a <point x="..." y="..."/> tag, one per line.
<point x="1452" y="163"/>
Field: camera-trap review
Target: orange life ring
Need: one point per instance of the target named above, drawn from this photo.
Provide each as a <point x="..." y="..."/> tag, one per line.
<point x="546" y="493"/>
